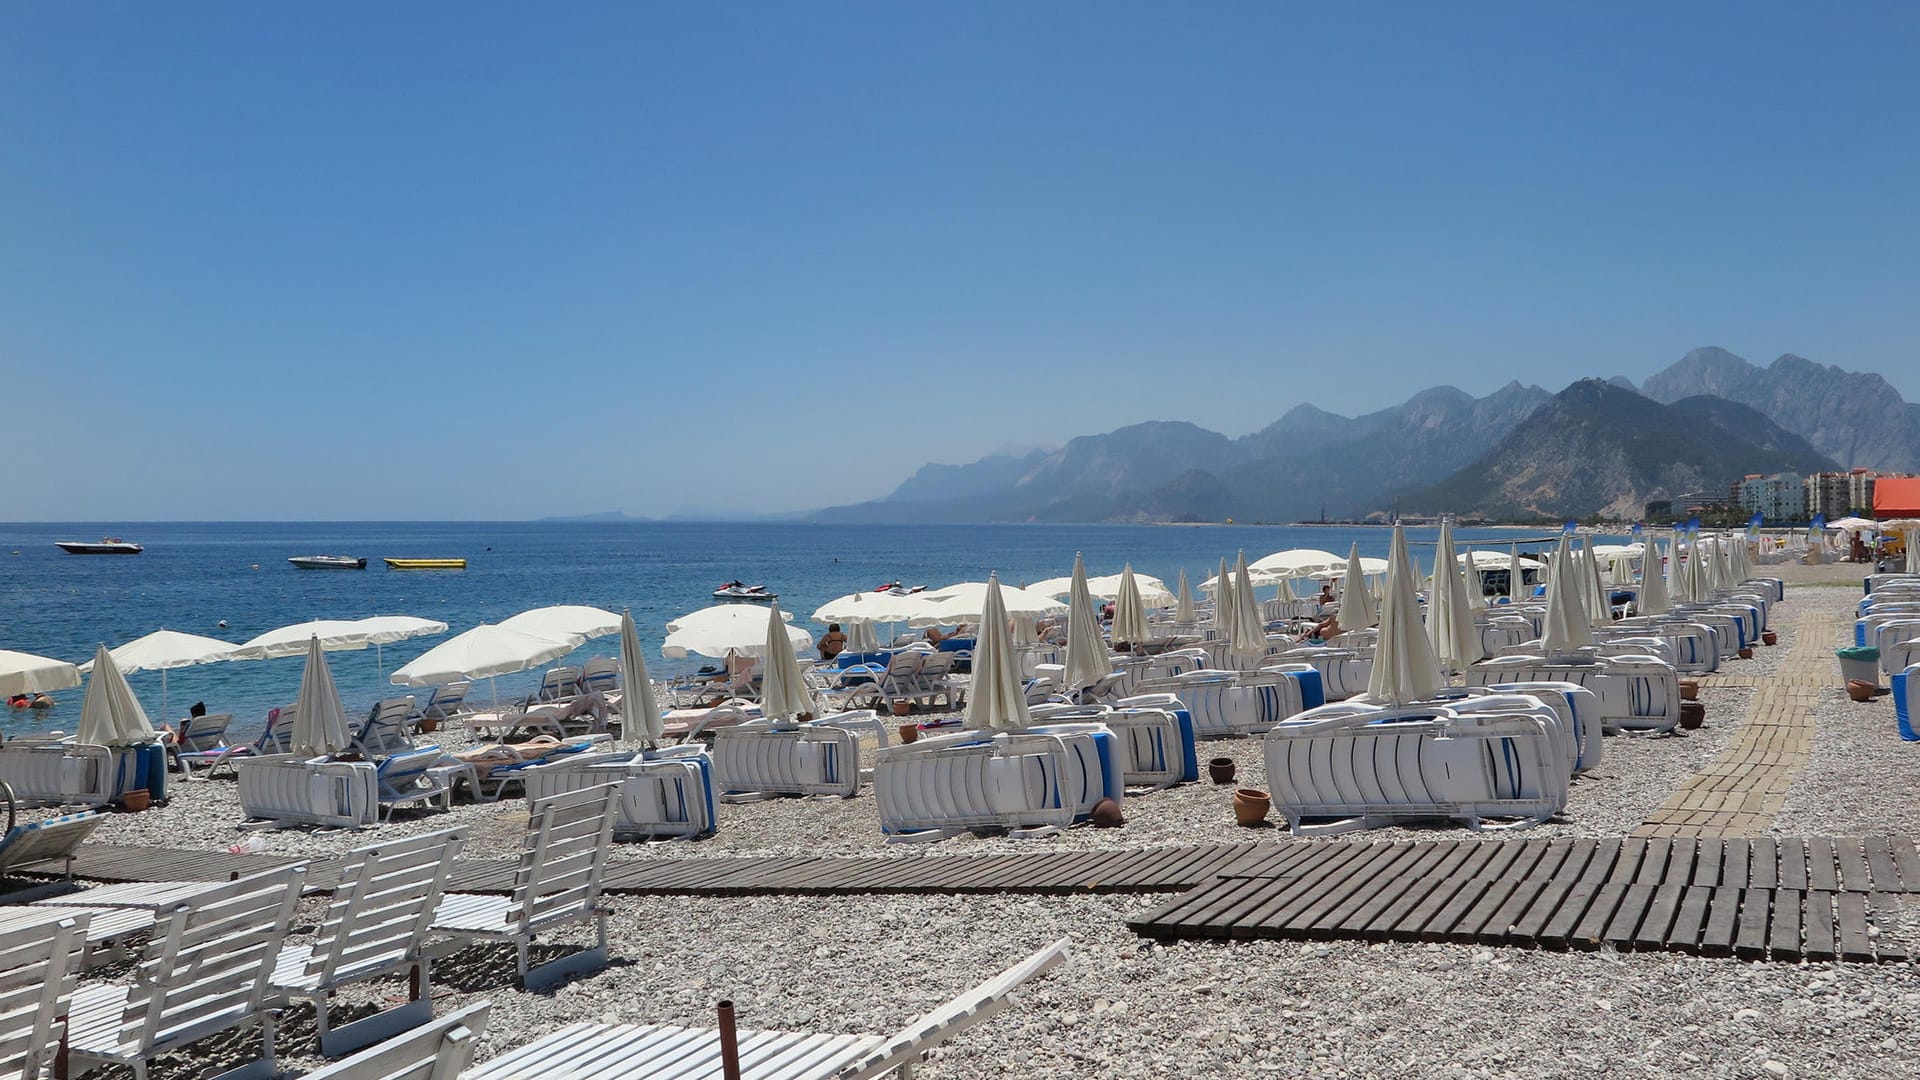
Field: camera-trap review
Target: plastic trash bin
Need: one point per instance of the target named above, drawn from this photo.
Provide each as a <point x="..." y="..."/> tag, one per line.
<point x="1860" y="662"/>
<point x="1903" y="688"/>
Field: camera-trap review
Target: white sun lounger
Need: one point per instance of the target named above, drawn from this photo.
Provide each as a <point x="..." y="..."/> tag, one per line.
<point x="658" y="1051"/>
<point x="205" y="971"/>
<point x="764" y="758"/>
<point x="1153" y="736"/>
<point x="1028" y="783"/>
<point x="1578" y="709"/>
<point x="1226" y="704"/>
<point x="58" y="773"/>
<point x="1343" y="672"/>
<point x="665" y="794"/>
<point x="42" y="841"/>
<point x="39" y="963"/>
<point x="557" y="883"/>
<point x="1636" y="693"/>
<point x="375" y="926"/>
<point x="439" y="1049"/>
<point x="288" y="790"/>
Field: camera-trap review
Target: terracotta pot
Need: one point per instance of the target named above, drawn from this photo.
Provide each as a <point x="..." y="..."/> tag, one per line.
<point x="1221" y="770"/>
<point x="1746" y="652"/>
<point x="1689" y="689"/>
<point x="136" y="800"/>
<point x="902" y="708"/>
<point x="1106" y="815"/>
<point x="1250" y="806"/>
<point x="909" y="732"/>
<point x="1768" y="637"/>
<point x="429" y="725"/>
<point x="1692" y="715"/>
<point x="1860" y="689"/>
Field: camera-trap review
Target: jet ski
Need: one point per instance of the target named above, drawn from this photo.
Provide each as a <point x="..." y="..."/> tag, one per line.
<point x="740" y="590"/>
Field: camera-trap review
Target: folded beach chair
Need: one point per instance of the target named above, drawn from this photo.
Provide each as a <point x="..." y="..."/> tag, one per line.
<point x="58" y="774"/>
<point x="375" y="926"/>
<point x="288" y="790"/>
<point x="1343" y="672"/>
<point x="44" y="841"/>
<point x="275" y="738"/>
<point x="447" y="702"/>
<point x="1028" y="784"/>
<point x="600" y="675"/>
<point x="1226" y="704"/>
<point x="607" y="1051"/>
<point x="664" y="794"/>
<point x="1578" y="709"/>
<point x="1155" y="743"/>
<point x="439" y="1049"/>
<point x="557" y="884"/>
<point x="385" y="730"/>
<point x="1904" y="688"/>
<point x="763" y="758"/>
<point x="39" y="963"/>
<point x="204" y="971"/>
<point x="1636" y="693"/>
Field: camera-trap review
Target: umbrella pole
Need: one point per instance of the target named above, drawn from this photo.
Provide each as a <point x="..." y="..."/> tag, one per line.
<point x="163" y="697"/>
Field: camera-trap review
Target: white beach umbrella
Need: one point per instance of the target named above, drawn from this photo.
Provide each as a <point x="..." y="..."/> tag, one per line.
<point x="1087" y="658"/>
<point x="724" y="629"/>
<point x="110" y="715"/>
<point x="486" y="651"/>
<point x="1222" y="598"/>
<point x="1153" y="592"/>
<point x="1247" y="633"/>
<point x="967" y="602"/>
<point x="1129" y="613"/>
<point x="1654" y="598"/>
<point x="1599" y="607"/>
<point x="783" y="686"/>
<point x="1357" y="610"/>
<point x="639" y="710"/>
<point x="1620" y="570"/>
<point x="1450" y="629"/>
<point x="1183" y="602"/>
<point x="880" y="607"/>
<point x="562" y="622"/>
<point x="1516" y="573"/>
<point x="1296" y="563"/>
<point x="1404" y="667"/>
<point x="860" y="637"/>
<point x="1913" y="551"/>
<point x="164" y="650"/>
<point x="1566" y="628"/>
<point x="1470" y="580"/>
<point x="335" y="635"/>
<point x="25" y="673"/>
<point x="996" y="701"/>
<point x="1679" y="587"/>
<point x="319" y="726"/>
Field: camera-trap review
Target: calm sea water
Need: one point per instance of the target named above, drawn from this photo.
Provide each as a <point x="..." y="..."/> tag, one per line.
<point x="192" y="576"/>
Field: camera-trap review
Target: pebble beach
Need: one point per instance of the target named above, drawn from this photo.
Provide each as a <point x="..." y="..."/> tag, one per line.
<point x="1127" y="1007"/>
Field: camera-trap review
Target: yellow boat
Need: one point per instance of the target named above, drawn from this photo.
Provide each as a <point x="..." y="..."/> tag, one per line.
<point x="425" y="564"/>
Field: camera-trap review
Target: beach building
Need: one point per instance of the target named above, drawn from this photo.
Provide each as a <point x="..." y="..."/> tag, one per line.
<point x="1780" y="497"/>
<point x="1838" y="494"/>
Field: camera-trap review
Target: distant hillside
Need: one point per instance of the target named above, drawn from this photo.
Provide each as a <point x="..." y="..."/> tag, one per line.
<point x="1598" y="447"/>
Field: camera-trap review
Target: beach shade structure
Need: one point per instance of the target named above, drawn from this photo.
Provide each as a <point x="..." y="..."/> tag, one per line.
<point x="563" y="622"/>
<point x="996" y="701"/>
<point x="1357" y="610"/>
<point x="484" y="652"/>
<point x="1566" y="629"/>
<point x="1654" y="596"/>
<point x="1129" y="613"/>
<point x="319" y="725"/>
<point x="879" y="607"/>
<point x="336" y="635"/>
<point x="1222" y="599"/>
<point x="1679" y="570"/>
<point x="1620" y="570"/>
<point x="1723" y="576"/>
<point x="1295" y="563"/>
<point x="1450" y="628"/>
<point x="967" y="602"/>
<point x="725" y="630"/>
<point x="1183" y="612"/>
<point x="639" y="710"/>
<point x="1404" y="667"/>
<point x="25" y="673"/>
<point x="783" y="687"/>
<point x="1516" y="573"/>
<point x="1599" y="609"/>
<point x="1087" y="661"/>
<point x="860" y="636"/>
<point x="1153" y="592"/>
<point x="164" y="650"/>
<point x="110" y="715"/>
<point x="1247" y="633"/>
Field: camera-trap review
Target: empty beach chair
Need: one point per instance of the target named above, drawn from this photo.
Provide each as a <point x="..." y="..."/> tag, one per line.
<point x="1579" y="712"/>
<point x="275" y="738"/>
<point x="375" y="926"/>
<point x="205" y="970"/>
<point x="664" y="794"/>
<point x="763" y="758"/>
<point x="1156" y="745"/>
<point x="1343" y="672"/>
<point x="200" y="735"/>
<point x="558" y="684"/>
<point x="447" y="702"/>
<point x="1635" y="693"/>
<point x="385" y="730"/>
<point x="1027" y="783"/>
<point x="901" y="680"/>
<point x="44" y="841"/>
<point x="439" y="1049"/>
<point x="661" y="1050"/>
<point x="556" y="884"/>
<point x="410" y="778"/>
<point x="601" y="675"/>
<point x="39" y="963"/>
<point x="58" y="773"/>
<point x="288" y="790"/>
<point x="935" y="682"/>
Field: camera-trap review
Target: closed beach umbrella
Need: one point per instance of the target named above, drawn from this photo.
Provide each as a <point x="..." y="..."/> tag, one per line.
<point x="1404" y="668"/>
<point x="1183" y="603"/>
<point x="1247" y="633"/>
<point x="783" y="687"/>
<point x="1653" y="599"/>
<point x="1357" y="610"/>
<point x="860" y="636"/>
<point x="110" y="715"/>
<point x="1679" y="583"/>
<point x="564" y="621"/>
<point x="726" y="629"/>
<point x="1516" y="574"/>
<point x="1620" y="570"/>
<point x="1723" y="566"/>
<point x="1087" y="661"/>
<point x="1129" y="614"/>
<point x="25" y="673"/>
<point x="996" y="701"/>
<point x="638" y="708"/>
<point x="164" y="650"/>
<point x="1913" y="551"/>
<point x="1450" y="629"/>
<point x="1599" y="607"/>
<point x="1222" y="599"/>
<point x="319" y="727"/>
<point x="486" y="651"/>
<point x="1566" y="627"/>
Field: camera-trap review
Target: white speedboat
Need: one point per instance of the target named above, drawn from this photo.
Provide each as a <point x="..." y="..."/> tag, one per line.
<point x="739" y="590"/>
<point x="328" y="562"/>
<point x="111" y="545"/>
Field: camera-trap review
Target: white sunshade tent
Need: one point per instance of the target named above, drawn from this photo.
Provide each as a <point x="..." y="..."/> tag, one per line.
<point x="486" y="651"/>
<point x="25" y="673"/>
<point x="996" y="701"/>
<point x="1404" y="667"/>
<point x="319" y="725"/>
<point x="726" y="629"/>
<point x="110" y="715"/>
<point x="565" y="621"/>
<point x="164" y="650"/>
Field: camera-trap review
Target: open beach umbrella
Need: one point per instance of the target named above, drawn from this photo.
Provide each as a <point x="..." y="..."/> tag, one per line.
<point x="1129" y="613"/>
<point x="996" y="701"/>
<point x="1566" y="629"/>
<point x="335" y="635"/>
<point x="783" y="686"/>
<point x="1450" y="628"/>
<point x="25" y="673"/>
<point x="638" y="707"/>
<point x="110" y="715"/>
<point x="1247" y="633"/>
<point x="1404" y="667"/>
<point x="723" y="629"/>
<point x="486" y="651"/>
<point x="966" y="602"/>
<point x="880" y="607"/>
<point x="319" y="727"/>
<point x="1087" y="660"/>
<point x="1653" y="598"/>
<point x="1296" y="563"/>
<point x="1357" y="610"/>
<point x="1183" y="602"/>
<point x="164" y="650"/>
<point x="1153" y="592"/>
<point x="562" y="622"/>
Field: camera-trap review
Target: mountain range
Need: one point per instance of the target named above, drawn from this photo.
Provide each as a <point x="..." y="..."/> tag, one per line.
<point x="1520" y="452"/>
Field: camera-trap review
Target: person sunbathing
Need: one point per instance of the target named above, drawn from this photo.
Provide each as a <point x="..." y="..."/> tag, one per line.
<point x="832" y="643"/>
<point x="1325" y="630"/>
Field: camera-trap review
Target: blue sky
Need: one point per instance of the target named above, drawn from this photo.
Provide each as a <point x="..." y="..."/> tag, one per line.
<point x="487" y="260"/>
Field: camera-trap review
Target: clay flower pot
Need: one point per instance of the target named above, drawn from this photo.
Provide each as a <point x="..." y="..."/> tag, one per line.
<point x="428" y="725"/>
<point x="1689" y="689"/>
<point x="909" y="732"/>
<point x="1692" y="715"/>
<point x="136" y="800"/>
<point x="1221" y="770"/>
<point x="1860" y="689"/>
<point x="1746" y="652"/>
<point x="902" y="708"/>
<point x="1250" y="806"/>
<point x="1106" y="815"/>
<point x="1768" y="637"/>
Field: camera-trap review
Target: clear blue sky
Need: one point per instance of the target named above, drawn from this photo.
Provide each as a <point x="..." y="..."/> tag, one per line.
<point x="489" y="260"/>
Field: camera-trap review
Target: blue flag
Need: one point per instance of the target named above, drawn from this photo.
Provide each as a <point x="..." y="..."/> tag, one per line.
<point x="1569" y="527"/>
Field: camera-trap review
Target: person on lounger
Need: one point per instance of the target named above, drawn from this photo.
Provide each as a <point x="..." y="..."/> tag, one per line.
<point x="1325" y="630"/>
<point x="832" y="643"/>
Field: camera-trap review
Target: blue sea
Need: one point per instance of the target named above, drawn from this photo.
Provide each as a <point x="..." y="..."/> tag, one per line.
<point x="194" y="577"/>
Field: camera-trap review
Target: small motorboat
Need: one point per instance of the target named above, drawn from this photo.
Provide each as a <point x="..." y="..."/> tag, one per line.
<point x="898" y="589"/>
<point x="740" y="590"/>
<point x="425" y="564"/>
<point x="328" y="562"/>
<point x="111" y="545"/>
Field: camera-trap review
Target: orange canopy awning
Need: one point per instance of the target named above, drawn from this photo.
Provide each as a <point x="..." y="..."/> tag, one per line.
<point x="1896" y="496"/>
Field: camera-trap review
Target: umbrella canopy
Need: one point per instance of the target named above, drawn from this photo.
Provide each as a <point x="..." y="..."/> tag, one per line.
<point x="1450" y="629"/>
<point x="110" y="715"/>
<point x="319" y="727"/>
<point x="1129" y="613"/>
<point x="1183" y="602"/>
<point x="1847" y="524"/>
<point x="565" y="622"/>
<point x="1404" y="668"/>
<point x="727" y="629"/>
<point x="1566" y="626"/>
<point x="783" y="686"/>
<point x="1087" y="661"/>
<point x="1153" y="592"/>
<point x="638" y="708"/>
<point x="1653" y="599"/>
<point x="1296" y="562"/>
<point x="164" y="650"/>
<point x="1357" y="610"/>
<point x="482" y="652"/>
<point x="872" y="607"/>
<point x="996" y="701"/>
<point x="335" y="635"/>
<point x="860" y="637"/>
<point x="25" y="673"/>
<point x="967" y="602"/>
<point x="1247" y="633"/>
